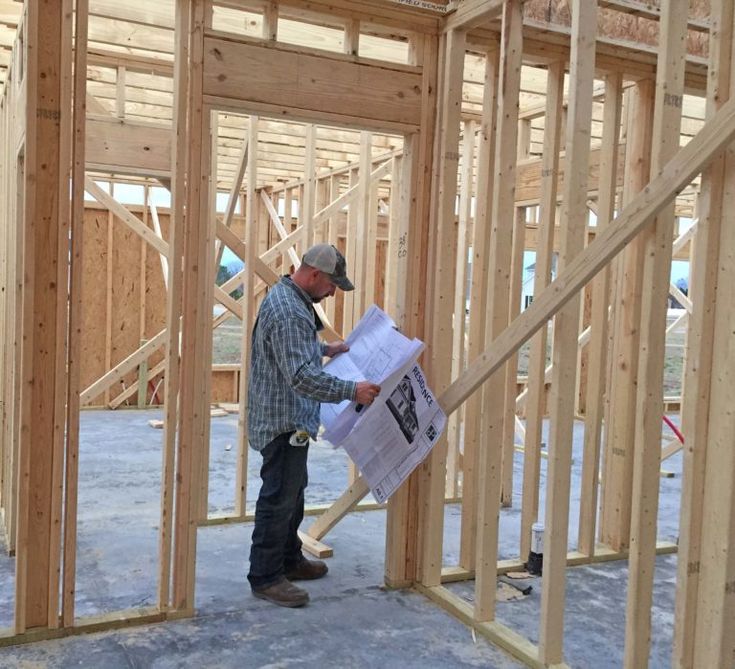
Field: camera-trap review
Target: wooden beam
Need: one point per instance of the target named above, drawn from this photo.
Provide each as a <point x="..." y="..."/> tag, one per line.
<point x="388" y="97"/>
<point x="472" y="14"/>
<point x="128" y="147"/>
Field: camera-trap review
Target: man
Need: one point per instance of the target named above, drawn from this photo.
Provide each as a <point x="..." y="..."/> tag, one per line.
<point x="286" y="386"/>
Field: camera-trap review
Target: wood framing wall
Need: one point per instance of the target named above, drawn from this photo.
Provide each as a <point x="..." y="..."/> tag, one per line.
<point x="473" y="134"/>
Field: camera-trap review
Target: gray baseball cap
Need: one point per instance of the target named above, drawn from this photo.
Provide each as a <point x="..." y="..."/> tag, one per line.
<point x="328" y="259"/>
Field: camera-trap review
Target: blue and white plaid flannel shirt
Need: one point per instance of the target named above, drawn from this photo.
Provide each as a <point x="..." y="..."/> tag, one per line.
<point x="287" y="382"/>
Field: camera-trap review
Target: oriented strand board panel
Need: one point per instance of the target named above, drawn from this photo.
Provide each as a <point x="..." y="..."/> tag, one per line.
<point x="94" y="299"/>
<point x="126" y="297"/>
<point x="128" y="148"/>
<point x="224" y="386"/>
<point x="155" y="293"/>
<point x="126" y="251"/>
<point x="242" y="71"/>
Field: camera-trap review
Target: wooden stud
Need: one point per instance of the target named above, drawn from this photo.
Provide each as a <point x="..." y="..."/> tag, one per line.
<point x="537" y="355"/>
<point x="157" y="229"/>
<point x="352" y="37"/>
<point x="503" y="206"/>
<point x="248" y="316"/>
<point x="75" y="310"/>
<point x="270" y="21"/>
<point x="688" y="162"/>
<point x="703" y="290"/>
<point x="714" y="637"/>
<point x="656" y="278"/>
<point x="120" y="92"/>
<point x="478" y="300"/>
<point x="566" y="324"/>
<point x="44" y="272"/>
<point x="368" y="289"/>
<point x="617" y="472"/>
<point x="460" y="297"/>
<point x="599" y="326"/>
<point x="511" y="371"/>
<point x="195" y="363"/>
<point x="431" y="517"/>
<point x="402" y="529"/>
<point x="108" y="292"/>
<point x="233" y="196"/>
<point x="177" y="235"/>
<point x="306" y="204"/>
<point x="364" y="207"/>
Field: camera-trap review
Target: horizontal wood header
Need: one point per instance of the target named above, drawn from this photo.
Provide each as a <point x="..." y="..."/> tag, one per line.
<point x="248" y="75"/>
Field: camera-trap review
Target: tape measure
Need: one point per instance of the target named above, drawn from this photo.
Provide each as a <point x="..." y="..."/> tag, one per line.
<point x="299" y="438"/>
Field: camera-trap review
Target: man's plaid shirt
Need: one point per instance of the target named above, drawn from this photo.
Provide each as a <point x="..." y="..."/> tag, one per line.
<point x="287" y="383"/>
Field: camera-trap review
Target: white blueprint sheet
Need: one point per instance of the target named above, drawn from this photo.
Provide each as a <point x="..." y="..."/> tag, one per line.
<point x="377" y="350"/>
<point x="394" y="435"/>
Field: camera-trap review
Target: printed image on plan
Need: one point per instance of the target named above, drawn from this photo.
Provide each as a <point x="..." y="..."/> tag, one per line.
<point x="396" y="432"/>
<point x="377" y="350"/>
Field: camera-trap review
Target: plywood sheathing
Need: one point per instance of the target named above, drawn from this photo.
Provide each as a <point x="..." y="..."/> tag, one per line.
<point x="622" y="25"/>
<point x="125" y="296"/>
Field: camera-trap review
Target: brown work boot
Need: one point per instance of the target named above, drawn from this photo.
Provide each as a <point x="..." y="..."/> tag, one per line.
<point x="307" y="570"/>
<point x="283" y="593"/>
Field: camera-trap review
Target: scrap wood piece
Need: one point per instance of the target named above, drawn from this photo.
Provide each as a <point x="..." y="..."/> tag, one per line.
<point x="507" y="593"/>
<point x="156" y="423"/>
<point x="525" y="589"/>
<point x="518" y="574"/>
<point x="315" y="547"/>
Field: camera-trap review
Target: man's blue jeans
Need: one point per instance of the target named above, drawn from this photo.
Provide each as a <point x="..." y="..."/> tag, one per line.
<point x="276" y="546"/>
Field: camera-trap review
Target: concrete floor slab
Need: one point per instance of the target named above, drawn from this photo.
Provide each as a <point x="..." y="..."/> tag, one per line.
<point x="350" y="622"/>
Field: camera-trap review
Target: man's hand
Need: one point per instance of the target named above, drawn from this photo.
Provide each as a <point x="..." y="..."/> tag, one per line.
<point x="366" y="392"/>
<point x="334" y="348"/>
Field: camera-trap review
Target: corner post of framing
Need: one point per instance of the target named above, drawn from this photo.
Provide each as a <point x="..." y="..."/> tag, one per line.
<point x="431" y="511"/>
<point x="44" y="272"/>
<point x="402" y="531"/>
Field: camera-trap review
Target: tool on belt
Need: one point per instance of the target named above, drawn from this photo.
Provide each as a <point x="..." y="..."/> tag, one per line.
<point x="299" y="438"/>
